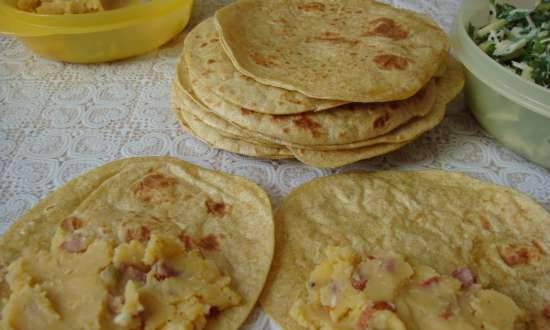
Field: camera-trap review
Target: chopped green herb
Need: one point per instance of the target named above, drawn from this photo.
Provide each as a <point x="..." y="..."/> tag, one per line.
<point x="518" y="39"/>
<point x="544" y="6"/>
<point x="471" y="30"/>
<point x="491" y="49"/>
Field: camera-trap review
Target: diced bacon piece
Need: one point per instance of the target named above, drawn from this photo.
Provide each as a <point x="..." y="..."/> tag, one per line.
<point x="358" y="281"/>
<point x="163" y="271"/>
<point x="137" y="233"/>
<point x="75" y="244"/>
<point x="363" y="319"/>
<point x="359" y="284"/>
<point x="135" y="274"/>
<point x="430" y="281"/>
<point x="546" y="312"/>
<point x="465" y="276"/>
<point x="383" y="306"/>
<point x="71" y="224"/>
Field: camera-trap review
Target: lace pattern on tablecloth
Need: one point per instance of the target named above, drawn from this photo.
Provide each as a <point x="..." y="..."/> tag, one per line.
<point x="59" y="120"/>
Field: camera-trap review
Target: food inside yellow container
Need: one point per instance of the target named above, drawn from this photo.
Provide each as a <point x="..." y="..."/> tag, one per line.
<point x="60" y="6"/>
<point x="122" y="30"/>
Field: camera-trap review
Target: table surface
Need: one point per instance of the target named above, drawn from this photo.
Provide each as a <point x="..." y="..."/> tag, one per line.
<point x="58" y="120"/>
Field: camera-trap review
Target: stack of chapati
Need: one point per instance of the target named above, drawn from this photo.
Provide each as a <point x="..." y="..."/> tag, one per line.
<point x="326" y="82"/>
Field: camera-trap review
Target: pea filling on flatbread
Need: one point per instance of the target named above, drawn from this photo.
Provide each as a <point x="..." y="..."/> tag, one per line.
<point x="409" y="250"/>
<point x="142" y="243"/>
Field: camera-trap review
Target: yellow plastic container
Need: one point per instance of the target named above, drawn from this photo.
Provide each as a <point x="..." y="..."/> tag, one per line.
<point x="97" y="37"/>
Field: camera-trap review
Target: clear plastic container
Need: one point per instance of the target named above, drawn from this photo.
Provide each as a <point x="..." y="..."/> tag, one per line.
<point x="514" y="110"/>
<point x="97" y="37"/>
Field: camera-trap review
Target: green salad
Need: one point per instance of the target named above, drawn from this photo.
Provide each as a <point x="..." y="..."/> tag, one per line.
<point x="518" y="38"/>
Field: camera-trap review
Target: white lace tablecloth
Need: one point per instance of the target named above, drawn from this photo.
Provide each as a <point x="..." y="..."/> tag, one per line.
<point x="59" y="120"/>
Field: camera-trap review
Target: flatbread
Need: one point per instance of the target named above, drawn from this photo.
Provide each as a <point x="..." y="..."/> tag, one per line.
<point x="209" y="63"/>
<point x="448" y="85"/>
<point x="231" y="141"/>
<point x="378" y="146"/>
<point x="323" y="159"/>
<point x="215" y="139"/>
<point x="222" y="134"/>
<point x="183" y="96"/>
<point x="241" y="223"/>
<point x="182" y="99"/>
<point x="345" y="124"/>
<point x="338" y="158"/>
<point x="352" y="50"/>
<point x="440" y="219"/>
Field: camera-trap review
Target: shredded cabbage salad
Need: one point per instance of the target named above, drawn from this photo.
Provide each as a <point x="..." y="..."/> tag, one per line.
<point x="518" y="38"/>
